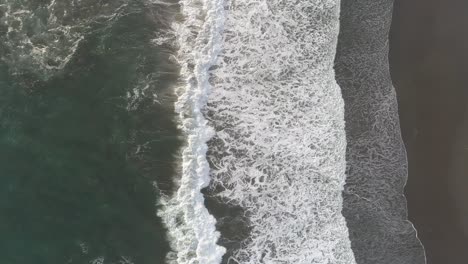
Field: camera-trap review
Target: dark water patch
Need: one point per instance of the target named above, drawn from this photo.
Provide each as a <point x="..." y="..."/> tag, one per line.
<point x="429" y="65"/>
<point x="80" y="150"/>
<point x="231" y="221"/>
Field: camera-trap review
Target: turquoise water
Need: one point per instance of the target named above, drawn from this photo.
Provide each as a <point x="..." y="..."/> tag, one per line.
<point x="83" y="142"/>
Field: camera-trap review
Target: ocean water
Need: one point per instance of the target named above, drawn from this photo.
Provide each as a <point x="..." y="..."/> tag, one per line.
<point x="198" y="132"/>
<point x="264" y="121"/>
<point x="87" y="133"/>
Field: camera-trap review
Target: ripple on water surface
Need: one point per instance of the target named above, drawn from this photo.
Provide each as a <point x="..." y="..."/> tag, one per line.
<point x="86" y="130"/>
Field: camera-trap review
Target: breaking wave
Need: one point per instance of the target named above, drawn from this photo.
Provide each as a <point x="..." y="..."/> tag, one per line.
<point x="191" y="229"/>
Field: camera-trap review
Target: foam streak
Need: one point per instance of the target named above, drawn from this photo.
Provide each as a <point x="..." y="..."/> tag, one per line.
<point x="191" y="228"/>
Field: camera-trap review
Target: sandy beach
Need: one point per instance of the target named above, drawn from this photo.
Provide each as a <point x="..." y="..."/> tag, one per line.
<point x="429" y="66"/>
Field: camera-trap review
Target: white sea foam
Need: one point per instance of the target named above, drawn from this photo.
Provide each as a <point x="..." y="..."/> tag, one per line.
<point x="279" y="149"/>
<point x="191" y="228"/>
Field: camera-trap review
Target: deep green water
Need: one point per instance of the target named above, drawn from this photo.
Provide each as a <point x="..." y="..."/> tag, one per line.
<point x="81" y="146"/>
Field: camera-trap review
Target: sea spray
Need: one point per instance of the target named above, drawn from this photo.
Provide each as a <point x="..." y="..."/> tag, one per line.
<point x="191" y="228"/>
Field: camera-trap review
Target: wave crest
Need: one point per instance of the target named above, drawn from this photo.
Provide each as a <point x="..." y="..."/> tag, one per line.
<point x="191" y="228"/>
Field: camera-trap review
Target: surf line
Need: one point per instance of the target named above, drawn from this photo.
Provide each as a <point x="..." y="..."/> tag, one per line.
<point x="191" y="229"/>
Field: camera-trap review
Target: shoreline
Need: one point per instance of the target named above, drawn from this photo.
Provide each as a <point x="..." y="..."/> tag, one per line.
<point x="428" y="67"/>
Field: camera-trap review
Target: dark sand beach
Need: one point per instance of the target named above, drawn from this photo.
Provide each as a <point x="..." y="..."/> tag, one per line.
<point x="429" y="66"/>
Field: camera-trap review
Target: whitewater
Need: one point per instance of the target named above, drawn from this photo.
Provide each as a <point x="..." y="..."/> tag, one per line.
<point x="259" y="90"/>
<point x="191" y="229"/>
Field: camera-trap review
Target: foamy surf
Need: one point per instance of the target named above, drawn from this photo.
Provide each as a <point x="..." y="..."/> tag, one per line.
<point x="191" y="229"/>
<point x="279" y="149"/>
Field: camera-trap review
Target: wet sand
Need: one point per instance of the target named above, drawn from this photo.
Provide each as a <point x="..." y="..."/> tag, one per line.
<point x="429" y="66"/>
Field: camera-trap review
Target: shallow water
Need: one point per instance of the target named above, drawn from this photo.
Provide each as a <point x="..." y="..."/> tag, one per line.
<point x="278" y="156"/>
<point x="374" y="205"/>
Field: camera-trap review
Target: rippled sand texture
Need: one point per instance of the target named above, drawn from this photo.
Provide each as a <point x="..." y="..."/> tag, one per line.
<point x="374" y="205"/>
<point x="279" y="149"/>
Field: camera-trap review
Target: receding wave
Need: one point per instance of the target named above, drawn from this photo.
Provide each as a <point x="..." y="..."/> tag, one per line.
<point x="279" y="148"/>
<point x="374" y="204"/>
